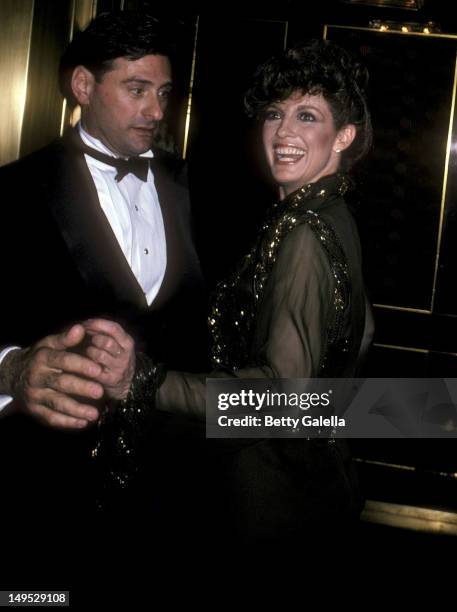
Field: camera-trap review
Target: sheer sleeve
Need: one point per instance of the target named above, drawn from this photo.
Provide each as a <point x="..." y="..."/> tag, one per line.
<point x="290" y="326"/>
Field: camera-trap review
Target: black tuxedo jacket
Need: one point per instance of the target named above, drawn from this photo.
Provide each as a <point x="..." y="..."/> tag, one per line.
<point x="61" y="263"/>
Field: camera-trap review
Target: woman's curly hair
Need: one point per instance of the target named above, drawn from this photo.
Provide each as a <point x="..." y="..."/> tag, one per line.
<point x="318" y="67"/>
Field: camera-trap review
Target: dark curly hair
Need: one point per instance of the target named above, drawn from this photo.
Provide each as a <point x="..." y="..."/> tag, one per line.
<point x="318" y="67"/>
<point x="127" y="34"/>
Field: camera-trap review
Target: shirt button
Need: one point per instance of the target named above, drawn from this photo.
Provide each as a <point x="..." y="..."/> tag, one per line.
<point x="136" y="208"/>
<point x="146" y="251"/>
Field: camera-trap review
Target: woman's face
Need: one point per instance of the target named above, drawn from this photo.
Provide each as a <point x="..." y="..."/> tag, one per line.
<point x="300" y="141"/>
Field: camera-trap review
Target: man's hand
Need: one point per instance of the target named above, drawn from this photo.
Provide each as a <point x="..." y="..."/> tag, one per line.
<point x="45" y="376"/>
<point x="114" y="350"/>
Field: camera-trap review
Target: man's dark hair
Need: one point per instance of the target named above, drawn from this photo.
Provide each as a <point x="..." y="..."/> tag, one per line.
<point x="127" y="34"/>
<point x="318" y="67"/>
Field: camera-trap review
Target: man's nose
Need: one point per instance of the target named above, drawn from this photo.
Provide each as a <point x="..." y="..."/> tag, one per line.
<point x="153" y="109"/>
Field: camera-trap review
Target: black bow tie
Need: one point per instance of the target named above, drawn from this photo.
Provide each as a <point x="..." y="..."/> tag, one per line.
<point x="138" y="166"/>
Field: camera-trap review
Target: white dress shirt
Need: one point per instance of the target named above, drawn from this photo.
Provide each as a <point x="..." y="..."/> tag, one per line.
<point x="133" y="211"/>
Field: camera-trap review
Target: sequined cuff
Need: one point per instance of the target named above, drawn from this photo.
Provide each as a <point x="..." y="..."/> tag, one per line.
<point x="121" y="432"/>
<point x="140" y="400"/>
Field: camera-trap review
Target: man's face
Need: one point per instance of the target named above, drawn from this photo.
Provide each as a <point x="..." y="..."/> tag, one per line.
<point x="124" y="108"/>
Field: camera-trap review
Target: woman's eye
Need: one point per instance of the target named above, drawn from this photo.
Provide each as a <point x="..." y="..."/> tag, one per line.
<point x="271" y="115"/>
<point x="304" y="116"/>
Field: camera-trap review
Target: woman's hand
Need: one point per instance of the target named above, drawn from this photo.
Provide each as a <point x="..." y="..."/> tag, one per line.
<point x="114" y="350"/>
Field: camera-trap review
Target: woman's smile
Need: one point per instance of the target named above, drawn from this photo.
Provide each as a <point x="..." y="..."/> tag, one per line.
<point x="287" y="154"/>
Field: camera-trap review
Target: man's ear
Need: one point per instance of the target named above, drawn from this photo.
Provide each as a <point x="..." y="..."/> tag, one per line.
<point x="82" y="85"/>
<point x="345" y="138"/>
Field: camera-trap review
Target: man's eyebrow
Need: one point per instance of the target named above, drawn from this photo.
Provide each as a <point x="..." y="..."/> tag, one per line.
<point x="145" y="82"/>
<point x="137" y="80"/>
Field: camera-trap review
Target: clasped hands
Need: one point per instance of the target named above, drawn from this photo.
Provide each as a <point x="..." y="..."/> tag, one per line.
<point x="55" y="384"/>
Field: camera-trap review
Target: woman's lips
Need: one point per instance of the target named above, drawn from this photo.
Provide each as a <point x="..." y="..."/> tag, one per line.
<point x="288" y="154"/>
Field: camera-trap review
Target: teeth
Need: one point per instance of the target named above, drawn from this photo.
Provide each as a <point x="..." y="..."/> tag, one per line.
<point x="289" y="151"/>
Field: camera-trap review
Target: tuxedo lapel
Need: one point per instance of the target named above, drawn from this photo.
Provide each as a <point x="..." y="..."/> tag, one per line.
<point x="87" y="232"/>
<point x="169" y="202"/>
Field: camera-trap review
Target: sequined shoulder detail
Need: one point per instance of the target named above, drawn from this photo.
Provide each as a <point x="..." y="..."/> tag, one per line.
<point x="329" y="242"/>
<point x="236" y="299"/>
<point x="337" y="348"/>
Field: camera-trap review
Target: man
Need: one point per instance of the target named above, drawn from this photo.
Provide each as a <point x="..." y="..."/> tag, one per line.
<point x="98" y="225"/>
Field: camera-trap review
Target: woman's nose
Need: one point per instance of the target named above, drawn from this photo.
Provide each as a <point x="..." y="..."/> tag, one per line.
<point x="285" y="127"/>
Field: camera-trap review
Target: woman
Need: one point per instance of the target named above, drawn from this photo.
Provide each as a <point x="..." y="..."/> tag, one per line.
<point x="293" y="308"/>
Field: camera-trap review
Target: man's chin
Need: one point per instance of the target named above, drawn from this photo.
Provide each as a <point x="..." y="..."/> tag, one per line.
<point x="135" y="149"/>
<point x="141" y="149"/>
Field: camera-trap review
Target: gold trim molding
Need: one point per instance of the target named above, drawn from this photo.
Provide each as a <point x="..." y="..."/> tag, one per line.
<point x="16" y="18"/>
<point x="191" y="88"/>
<point x="413" y="518"/>
<point x="387" y="32"/>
